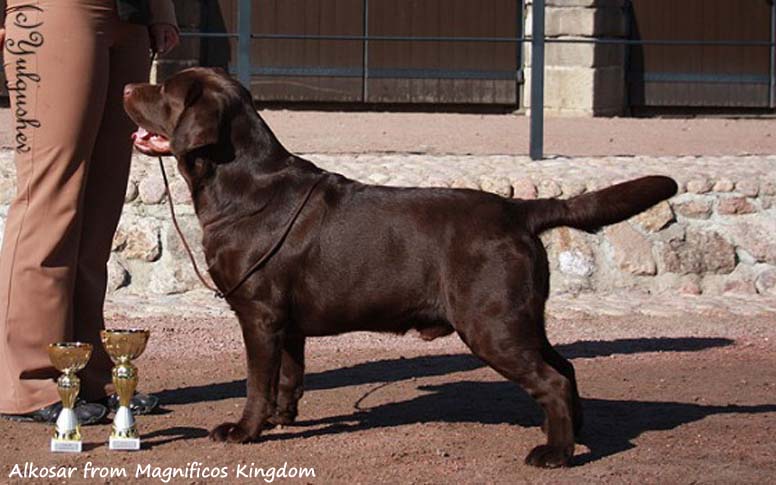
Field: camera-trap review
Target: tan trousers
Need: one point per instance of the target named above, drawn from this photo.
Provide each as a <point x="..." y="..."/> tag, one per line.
<point x="67" y="62"/>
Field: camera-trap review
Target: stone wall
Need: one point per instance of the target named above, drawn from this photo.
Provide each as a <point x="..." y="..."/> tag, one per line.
<point x="717" y="236"/>
<point x="581" y="79"/>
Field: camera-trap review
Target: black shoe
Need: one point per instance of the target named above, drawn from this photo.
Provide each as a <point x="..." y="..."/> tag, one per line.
<point x="139" y="404"/>
<point x="87" y="413"/>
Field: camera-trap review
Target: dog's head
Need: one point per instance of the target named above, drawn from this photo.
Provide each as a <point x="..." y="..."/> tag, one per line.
<point x="192" y="110"/>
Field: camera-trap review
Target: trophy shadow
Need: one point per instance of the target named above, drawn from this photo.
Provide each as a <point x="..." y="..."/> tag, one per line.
<point x="88" y="446"/>
<point x="393" y="370"/>
<point x="171" y="435"/>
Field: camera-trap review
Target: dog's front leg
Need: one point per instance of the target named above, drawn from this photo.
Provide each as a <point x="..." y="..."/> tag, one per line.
<point x="291" y="381"/>
<point x="263" y="343"/>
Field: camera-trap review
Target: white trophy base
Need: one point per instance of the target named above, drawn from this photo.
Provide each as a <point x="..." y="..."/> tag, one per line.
<point x="66" y="446"/>
<point x="124" y="444"/>
<point x="123" y="422"/>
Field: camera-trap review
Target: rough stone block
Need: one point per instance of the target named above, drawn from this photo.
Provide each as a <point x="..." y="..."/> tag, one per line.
<point x="699" y="185"/>
<point x="496" y="185"/>
<point x="689" y="285"/>
<point x="748" y="187"/>
<point x="151" y="189"/>
<point x="192" y="231"/>
<point x="581" y="91"/>
<point x="573" y="252"/>
<point x="632" y="251"/>
<point x="723" y="185"/>
<point x="582" y="55"/>
<point x="656" y="218"/>
<point x="169" y="277"/>
<point x="524" y="188"/>
<point x="738" y="287"/>
<point x="572" y="188"/>
<point x="549" y="189"/>
<point x="580" y="21"/>
<point x="756" y="238"/>
<point x="575" y="263"/>
<point x="741" y="281"/>
<point x="735" y="205"/>
<point x="132" y="192"/>
<point x="465" y="183"/>
<point x="701" y="252"/>
<point x="118" y="276"/>
<point x="693" y="208"/>
<point x="766" y="282"/>
<point x="138" y="238"/>
<point x="768" y="187"/>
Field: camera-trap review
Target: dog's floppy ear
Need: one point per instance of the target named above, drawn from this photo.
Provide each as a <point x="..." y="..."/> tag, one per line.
<point x="199" y="124"/>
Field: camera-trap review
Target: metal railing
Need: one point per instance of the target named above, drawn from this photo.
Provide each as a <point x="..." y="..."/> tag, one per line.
<point x="538" y="40"/>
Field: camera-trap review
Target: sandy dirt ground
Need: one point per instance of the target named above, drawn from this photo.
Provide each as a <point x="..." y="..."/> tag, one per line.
<point x="506" y="134"/>
<point x="663" y="404"/>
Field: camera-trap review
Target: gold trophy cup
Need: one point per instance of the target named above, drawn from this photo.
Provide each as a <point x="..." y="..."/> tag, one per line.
<point x="68" y="358"/>
<point x="124" y="346"/>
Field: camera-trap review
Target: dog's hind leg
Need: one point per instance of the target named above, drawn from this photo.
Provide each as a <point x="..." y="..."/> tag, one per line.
<point x="567" y="369"/>
<point x="497" y="344"/>
<point x="291" y="380"/>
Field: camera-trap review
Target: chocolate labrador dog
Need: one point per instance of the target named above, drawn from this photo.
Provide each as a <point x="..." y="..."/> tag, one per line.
<point x="340" y="256"/>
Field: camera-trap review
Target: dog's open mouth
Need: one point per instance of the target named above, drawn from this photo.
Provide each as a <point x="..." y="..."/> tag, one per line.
<point x="150" y="143"/>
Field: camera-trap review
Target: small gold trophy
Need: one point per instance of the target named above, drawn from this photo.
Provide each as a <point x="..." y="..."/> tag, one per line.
<point x="69" y="358"/>
<point x="124" y="346"/>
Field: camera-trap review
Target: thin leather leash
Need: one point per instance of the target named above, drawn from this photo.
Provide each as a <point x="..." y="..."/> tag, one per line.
<point x="255" y="266"/>
<point x="263" y="259"/>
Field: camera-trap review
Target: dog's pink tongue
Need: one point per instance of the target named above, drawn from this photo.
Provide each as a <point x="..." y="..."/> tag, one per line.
<point x="140" y="134"/>
<point x="150" y="143"/>
<point x="159" y="143"/>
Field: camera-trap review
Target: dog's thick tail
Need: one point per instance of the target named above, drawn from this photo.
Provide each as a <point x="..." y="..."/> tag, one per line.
<point x="590" y="212"/>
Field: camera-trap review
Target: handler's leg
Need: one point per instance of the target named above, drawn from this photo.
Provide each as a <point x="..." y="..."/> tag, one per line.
<point x="106" y="185"/>
<point x="56" y="65"/>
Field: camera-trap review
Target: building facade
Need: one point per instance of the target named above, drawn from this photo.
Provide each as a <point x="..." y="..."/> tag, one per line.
<point x="684" y="56"/>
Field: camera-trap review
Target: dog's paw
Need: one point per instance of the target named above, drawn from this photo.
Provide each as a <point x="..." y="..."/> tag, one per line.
<point x="282" y="419"/>
<point x="546" y="456"/>
<point x="230" y="433"/>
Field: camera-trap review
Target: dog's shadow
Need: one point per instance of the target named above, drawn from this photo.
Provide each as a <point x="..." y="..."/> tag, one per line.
<point x="610" y="425"/>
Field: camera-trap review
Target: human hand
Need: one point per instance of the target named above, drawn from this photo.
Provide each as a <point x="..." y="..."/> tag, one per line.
<point x="164" y="37"/>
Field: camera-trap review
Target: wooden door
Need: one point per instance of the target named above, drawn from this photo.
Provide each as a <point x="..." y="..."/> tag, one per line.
<point x="701" y="76"/>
